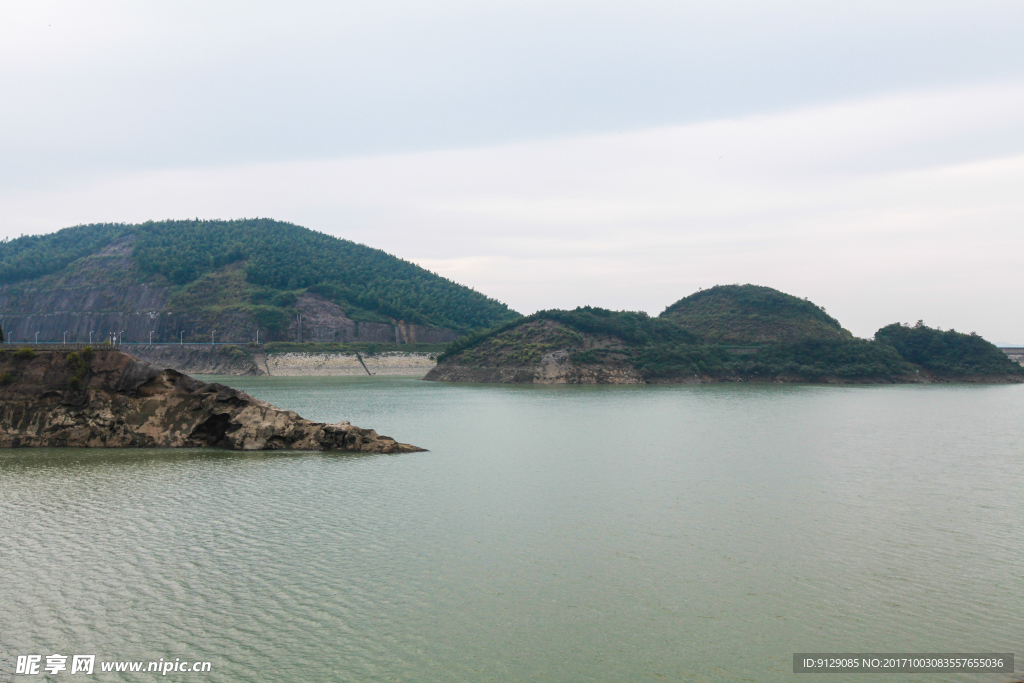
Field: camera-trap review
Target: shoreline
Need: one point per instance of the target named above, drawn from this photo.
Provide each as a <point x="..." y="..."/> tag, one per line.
<point x="241" y="361"/>
<point x="583" y="375"/>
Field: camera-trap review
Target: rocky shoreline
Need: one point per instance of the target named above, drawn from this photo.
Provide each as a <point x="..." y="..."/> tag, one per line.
<point x="598" y="375"/>
<point x="107" y="399"/>
<point x="556" y="368"/>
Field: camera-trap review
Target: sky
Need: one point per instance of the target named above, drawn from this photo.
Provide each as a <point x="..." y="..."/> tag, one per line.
<point x="868" y="156"/>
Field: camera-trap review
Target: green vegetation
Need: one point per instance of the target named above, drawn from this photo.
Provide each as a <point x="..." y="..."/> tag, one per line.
<point x="32" y="256"/>
<point x="947" y="352"/>
<point x="809" y="359"/>
<point x="25" y="354"/>
<point x="285" y="257"/>
<point x="750" y="314"/>
<point x="365" y="348"/>
<point x="6" y="379"/>
<point x="78" y="364"/>
<point x="659" y="349"/>
<point x="260" y="266"/>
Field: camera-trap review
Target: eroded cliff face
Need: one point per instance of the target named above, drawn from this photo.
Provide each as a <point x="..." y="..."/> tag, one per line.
<point x="109" y="399"/>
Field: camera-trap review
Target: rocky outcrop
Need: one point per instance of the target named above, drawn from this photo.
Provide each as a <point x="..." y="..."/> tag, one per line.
<point x="109" y="399"/>
<point x="553" y="368"/>
<point x="540" y="352"/>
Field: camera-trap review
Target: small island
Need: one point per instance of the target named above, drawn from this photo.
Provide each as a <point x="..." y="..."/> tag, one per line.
<point x="728" y="333"/>
<point x="106" y="398"/>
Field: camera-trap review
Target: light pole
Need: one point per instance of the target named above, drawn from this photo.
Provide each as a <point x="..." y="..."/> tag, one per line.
<point x="37" y="337"/>
<point x="257" y="337"/>
<point x="65" y="337"/>
<point x="181" y="338"/>
<point x="151" y="337"/>
<point x="90" y="336"/>
<point x="212" y="332"/>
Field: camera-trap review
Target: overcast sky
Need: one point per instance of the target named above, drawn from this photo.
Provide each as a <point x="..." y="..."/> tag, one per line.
<point x="868" y="155"/>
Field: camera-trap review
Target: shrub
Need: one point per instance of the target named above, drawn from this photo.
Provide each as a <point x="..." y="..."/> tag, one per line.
<point x="80" y="367"/>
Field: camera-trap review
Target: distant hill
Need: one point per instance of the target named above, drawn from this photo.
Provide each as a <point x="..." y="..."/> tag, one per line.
<point x="751" y="314"/>
<point x="731" y="333"/>
<point x="224" y="279"/>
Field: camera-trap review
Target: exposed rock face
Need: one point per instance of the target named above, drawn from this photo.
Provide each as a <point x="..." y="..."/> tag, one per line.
<point x="109" y="399"/>
<point x="554" y="372"/>
<point x="325" y="321"/>
<point x="540" y="352"/>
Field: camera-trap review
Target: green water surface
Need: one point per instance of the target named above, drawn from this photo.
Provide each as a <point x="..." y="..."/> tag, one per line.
<point x="552" y="533"/>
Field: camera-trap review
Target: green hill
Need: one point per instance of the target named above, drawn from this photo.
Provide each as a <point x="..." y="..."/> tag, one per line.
<point x="593" y="344"/>
<point x="948" y="352"/>
<point x="730" y="333"/>
<point x="750" y="314"/>
<point x="220" y="274"/>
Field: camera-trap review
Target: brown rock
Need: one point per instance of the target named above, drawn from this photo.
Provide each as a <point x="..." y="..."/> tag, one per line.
<point x="109" y="399"/>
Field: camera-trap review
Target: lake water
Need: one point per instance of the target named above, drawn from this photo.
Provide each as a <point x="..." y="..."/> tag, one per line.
<point x="552" y="533"/>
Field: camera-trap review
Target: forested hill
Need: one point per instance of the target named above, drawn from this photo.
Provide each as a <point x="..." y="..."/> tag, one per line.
<point x="746" y="314"/>
<point x="277" y="261"/>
